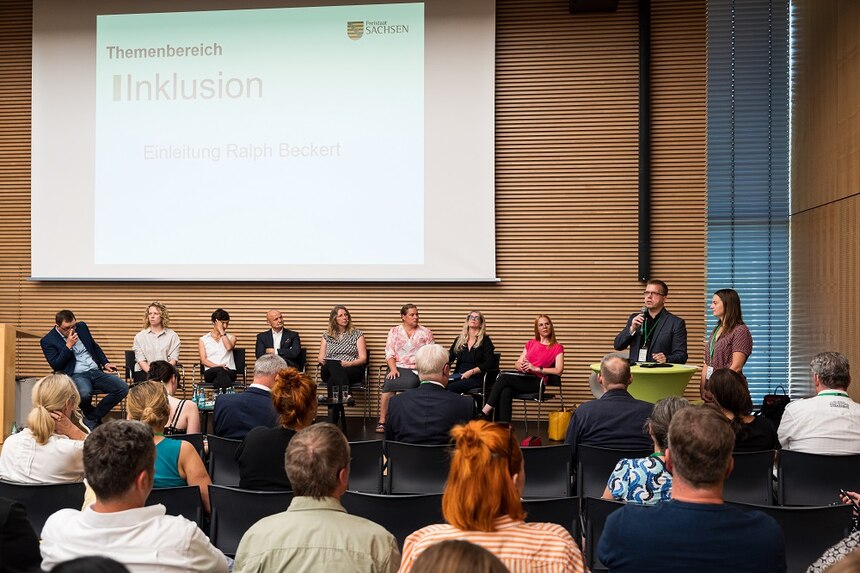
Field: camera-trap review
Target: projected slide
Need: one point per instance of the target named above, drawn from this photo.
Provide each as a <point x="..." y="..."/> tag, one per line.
<point x="263" y="136"/>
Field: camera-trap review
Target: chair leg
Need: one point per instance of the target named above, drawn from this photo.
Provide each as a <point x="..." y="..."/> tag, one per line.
<point x="526" y="415"/>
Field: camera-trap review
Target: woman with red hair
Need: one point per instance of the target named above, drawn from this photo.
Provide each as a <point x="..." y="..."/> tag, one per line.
<point x="481" y="504"/>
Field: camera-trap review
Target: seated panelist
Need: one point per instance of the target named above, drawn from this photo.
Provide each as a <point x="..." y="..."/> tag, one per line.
<point x="279" y="340"/>
<point x="216" y="352"/>
<point x="472" y="352"/>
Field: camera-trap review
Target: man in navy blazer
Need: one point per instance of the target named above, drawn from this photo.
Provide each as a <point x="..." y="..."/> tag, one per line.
<point x="425" y="415"/>
<point x="70" y="348"/>
<point x="287" y="346"/>
<point x="236" y="414"/>
<point x="655" y="335"/>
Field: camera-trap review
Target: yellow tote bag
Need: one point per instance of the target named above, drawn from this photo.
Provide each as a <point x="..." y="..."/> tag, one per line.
<point x="558" y="422"/>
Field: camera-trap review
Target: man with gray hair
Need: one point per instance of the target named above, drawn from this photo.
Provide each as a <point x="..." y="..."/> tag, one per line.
<point x="316" y="533"/>
<point x="616" y="419"/>
<point x="426" y="414"/>
<point x="119" y="462"/>
<point x="237" y="414"/>
<point x="829" y="422"/>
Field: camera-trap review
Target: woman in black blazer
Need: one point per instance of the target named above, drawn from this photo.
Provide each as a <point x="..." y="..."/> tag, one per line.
<point x="473" y="353"/>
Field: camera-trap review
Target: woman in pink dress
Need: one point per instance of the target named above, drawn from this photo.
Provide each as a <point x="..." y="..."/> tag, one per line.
<point x="542" y="357"/>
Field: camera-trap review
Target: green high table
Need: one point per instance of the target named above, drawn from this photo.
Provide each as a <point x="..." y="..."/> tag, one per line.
<point x="654" y="384"/>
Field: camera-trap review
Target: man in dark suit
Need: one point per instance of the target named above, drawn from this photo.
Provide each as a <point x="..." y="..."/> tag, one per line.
<point x="236" y="414"/>
<point x="70" y="348"/>
<point x="426" y="414"/>
<point x="654" y="335"/>
<point x="279" y="340"/>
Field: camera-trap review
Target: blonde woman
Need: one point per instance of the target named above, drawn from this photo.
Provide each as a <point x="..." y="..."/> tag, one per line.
<point x="343" y="351"/>
<point x="176" y="461"/>
<point x="51" y="448"/>
<point x="473" y="353"/>
<point x="155" y="341"/>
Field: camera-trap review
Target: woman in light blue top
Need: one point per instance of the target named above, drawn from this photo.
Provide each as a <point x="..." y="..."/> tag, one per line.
<point x="646" y="481"/>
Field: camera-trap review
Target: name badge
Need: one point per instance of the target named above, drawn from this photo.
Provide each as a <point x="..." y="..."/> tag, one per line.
<point x="708" y="372"/>
<point x="643" y="355"/>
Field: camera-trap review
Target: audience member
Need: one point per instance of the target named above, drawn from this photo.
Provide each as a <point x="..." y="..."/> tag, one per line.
<point x="261" y="453"/>
<point x="472" y="351"/>
<point x="70" y="348"/>
<point x="154" y="342"/>
<point x="647" y="481"/>
<point x="279" y="341"/>
<point x="845" y="551"/>
<point x="50" y="448"/>
<point x="654" y="334"/>
<point x="616" y="419"/>
<point x="236" y="414"/>
<point x="19" y="544"/>
<point x="342" y="356"/>
<point x="694" y="531"/>
<point x="119" y="462"/>
<point x="184" y="415"/>
<point x="315" y="533"/>
<point x="93" y="564"/>
<point x="216" y="352"/>
<point x="542" y="357"/>
<point x="403" y="342"/>
<point x="728" y="391"/>
<point x="482" y="504"/>
<point x="458" y="556"/>
<point x="848" y="564"/>
<point x="730" y="343"/>
<point x="427" y="414"/>
<point x="177" y="463"/>
<point x="828" y="423"/>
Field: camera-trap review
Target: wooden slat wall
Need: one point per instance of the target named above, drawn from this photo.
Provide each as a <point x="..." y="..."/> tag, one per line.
<point x="826" y="183"/>
<point x="566" y="196"/>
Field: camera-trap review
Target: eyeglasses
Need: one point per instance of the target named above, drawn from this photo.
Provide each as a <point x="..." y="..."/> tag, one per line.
<point x="653" y="293"/>
<point x="473" y="317"/>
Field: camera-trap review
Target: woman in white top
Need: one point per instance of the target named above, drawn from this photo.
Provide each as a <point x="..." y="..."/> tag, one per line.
<point x="51" y="448"/>
<point x="155" y="341"/>
<point x="184" y="416"/>
<point x="216" y="352"/>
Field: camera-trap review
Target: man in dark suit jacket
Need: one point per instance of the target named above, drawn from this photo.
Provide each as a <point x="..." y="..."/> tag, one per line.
<point x="426" y="414"/>
<point x="289" y="348"/>
<point x="70" y="348"/>
<point x="655" y="335"/>
<point x="236" y="414"/>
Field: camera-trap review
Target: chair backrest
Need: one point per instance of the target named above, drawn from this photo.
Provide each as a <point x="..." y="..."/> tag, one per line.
<point x="751" y="480"/>
<point x="813" y="479"/>
<point x="195" y="440"/>
<point x="365" y="469"/>
<point x="596" y="512"/>
<point x="302" y="359"/>
<point x="808" y="531"/>
<point x="235" y="510"/>
<point x="128" y="367"/>
<point x="548" y="471"/>
<point x="42" y="500"/>
<point x="223" y="467"/>
<point x="399" y="514"/>
<point x="184" y="500"/>
<point x="417" y="468"/>
<point x="561" y="510"/>
<point x="594" y="465"/>
<point x="241" y="364"/>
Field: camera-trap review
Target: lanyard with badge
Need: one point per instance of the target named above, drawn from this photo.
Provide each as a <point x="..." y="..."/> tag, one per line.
<point x="646" y="335"/>
<point x="711" y="354"/>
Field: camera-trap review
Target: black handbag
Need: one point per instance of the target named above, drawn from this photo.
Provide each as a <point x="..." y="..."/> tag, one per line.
<point x="773" y="405"/>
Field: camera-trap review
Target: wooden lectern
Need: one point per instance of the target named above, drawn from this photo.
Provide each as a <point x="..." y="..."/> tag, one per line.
<point x="9" y="333"/>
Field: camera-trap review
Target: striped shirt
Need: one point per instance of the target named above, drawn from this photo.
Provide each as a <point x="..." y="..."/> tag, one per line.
<point x="542" y="547"/>
<point x="343" y="348"/>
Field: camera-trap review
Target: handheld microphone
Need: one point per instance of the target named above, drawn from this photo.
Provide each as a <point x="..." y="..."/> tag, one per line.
<point x="644" y="310"/>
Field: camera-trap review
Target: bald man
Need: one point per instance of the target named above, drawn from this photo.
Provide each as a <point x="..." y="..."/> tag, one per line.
<point x="279" y="340"/>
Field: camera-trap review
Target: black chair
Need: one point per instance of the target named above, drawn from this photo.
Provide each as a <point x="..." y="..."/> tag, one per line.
<point x="183" y="500"/>
<point x="596" y="512"/>
<point x="561" y="510"/>
<point x="414" y="468"/>
<point x="813" y="479"/>
<point x="594" y="465"/>
<point x="751" y="480"/>
<point x="235" y="510"/>
<point x="223" y="468"/>
<point x="239" y="359"/>
<point x="808" y="531"/>
<point x="540" y="397"/>
<point x="548" y="471"/>
<point x="334" y="403"/>
<point x="365" y="469"/>
<point x="42" y="500"/>
<point x="195" y="440"/>
<point x="487" y="380"/>
<point x="399" y="514"/>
